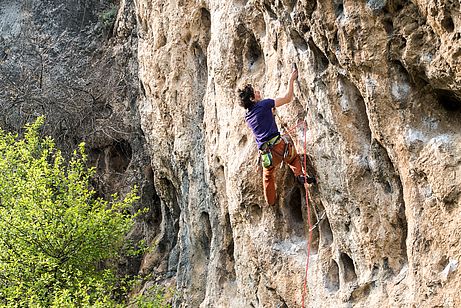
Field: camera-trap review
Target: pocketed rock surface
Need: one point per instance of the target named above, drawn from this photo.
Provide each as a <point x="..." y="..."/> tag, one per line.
<point x="379" y="88"/>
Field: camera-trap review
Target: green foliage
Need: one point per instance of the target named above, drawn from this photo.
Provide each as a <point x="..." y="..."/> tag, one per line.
<point x="55" y="235"/>
<point x="107" y="17"/>
<point x="155" y="297"/>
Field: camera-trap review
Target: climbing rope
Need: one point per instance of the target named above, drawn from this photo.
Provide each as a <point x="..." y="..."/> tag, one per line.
<point x="311" y="228"/>
<point x="308" y="214"/>
<point x="304" y="134"/>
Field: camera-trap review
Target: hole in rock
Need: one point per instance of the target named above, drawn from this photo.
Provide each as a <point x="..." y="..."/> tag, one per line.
<point x="172" y="209"/>
<point x="161" y="247"/>
<point x="253" y="51"/>
<point x="321" y="61"/>
<point x="153" y="218"/>
<point x="388" y="187"/>
<point x="200" y="58"/>
<point x="269" y="10"/>
<point x="316" y="214"/>
<point x="205" y="18"/>
<point x="443" y="262"/>
<point x="230" y="251"/>
<point x="451" y="201"/>
<point x="254" y="211"/>
<point x="349" y="268"/>
<point x="243" y="140"/>
<point x="347" y="226"/>
<point x="386" y="265"/>
<point x="332" y="277"/>
<point x="403" y="224"/>
<point x="293" y="212"/>
<point x="120" y="156"/>
<point x="299" y="42"/>
<point x="399" y="7"/>
<point x="448" y="100"/>
<point x="336" y="41"/>
<point x="339" y="8"/>
<point x="318" y="217"/>
<point x="388" y="26"/>
<point x="167" y="243"/>
<point x="355" y="102"/>
<point x="448" y="24"/>
<point x="206" y="233"/>
<point x="326" y="236"/>
<point x="374" y="270"/>
<point x="229" y="235"/>
<point x="305" y="28"/>
<point x="294" y="206"/>
<point x="276" y="42"/>
<point x="226" y="259"/>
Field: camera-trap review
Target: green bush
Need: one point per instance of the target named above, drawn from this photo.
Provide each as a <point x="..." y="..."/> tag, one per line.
<point x="108" y="17"/>
<point x="154" y="297"/>
<point x="55" y="235"/>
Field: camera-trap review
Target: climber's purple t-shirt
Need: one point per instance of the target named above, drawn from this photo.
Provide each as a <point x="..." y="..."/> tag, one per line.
<point x="261" y="121"/>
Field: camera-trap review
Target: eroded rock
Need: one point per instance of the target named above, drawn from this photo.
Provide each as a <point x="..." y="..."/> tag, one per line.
<point x="380" y="91"/>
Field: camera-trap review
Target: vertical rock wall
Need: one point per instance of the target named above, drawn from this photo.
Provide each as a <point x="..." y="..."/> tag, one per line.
<point x="379" y="87"/>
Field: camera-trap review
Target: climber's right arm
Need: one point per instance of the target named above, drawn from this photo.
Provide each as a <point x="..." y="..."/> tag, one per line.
<point x="280" y="101"/>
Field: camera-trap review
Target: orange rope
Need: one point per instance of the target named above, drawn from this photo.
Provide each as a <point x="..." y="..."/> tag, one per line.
<point x="308" y="216"/>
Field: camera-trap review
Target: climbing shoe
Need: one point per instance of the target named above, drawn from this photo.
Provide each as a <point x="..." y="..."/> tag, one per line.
<point x="306" y="179"/>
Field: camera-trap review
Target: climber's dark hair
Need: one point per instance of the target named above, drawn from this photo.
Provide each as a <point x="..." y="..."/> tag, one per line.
<point x="246" y="95"/>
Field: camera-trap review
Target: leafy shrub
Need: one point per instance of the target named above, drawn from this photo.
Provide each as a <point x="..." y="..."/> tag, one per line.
<point x="107" y="17"/>
<point x="154" y="297"/>
<point x="55" y="235"/>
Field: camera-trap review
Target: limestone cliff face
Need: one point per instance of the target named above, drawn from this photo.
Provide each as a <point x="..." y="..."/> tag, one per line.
<point x="379" y="87"/>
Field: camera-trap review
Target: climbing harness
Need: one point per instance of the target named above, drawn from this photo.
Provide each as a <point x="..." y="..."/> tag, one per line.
<point x="265" y="153"/>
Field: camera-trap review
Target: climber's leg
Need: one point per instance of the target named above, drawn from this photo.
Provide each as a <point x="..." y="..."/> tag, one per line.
<point x="269" y="185"/>
<point x="293" y="160"/>
<point x="269" y="174"/>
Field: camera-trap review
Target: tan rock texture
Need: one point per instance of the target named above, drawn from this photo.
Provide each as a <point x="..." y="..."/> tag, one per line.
<point x="380" y="90"/>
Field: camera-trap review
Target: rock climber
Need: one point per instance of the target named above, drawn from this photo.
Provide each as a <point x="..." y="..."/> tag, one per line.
<point x="273" y="148"/>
